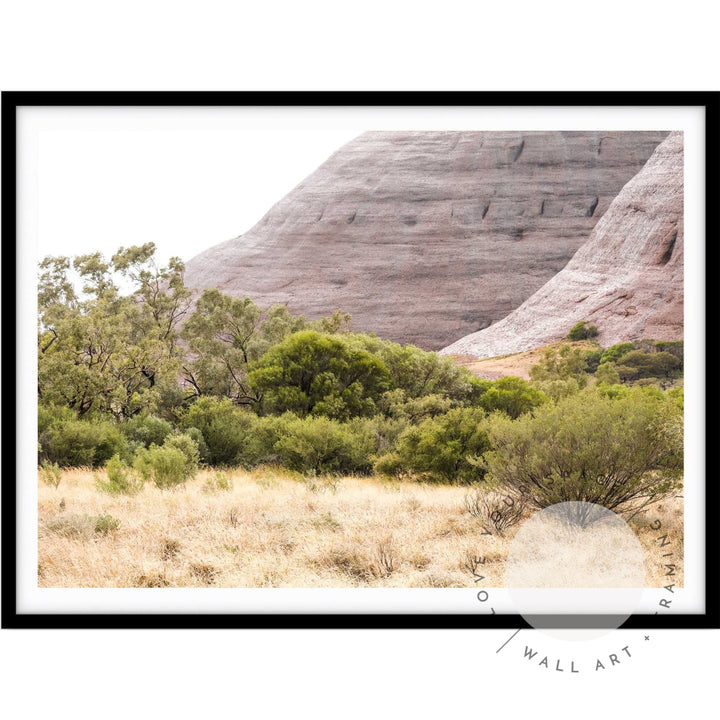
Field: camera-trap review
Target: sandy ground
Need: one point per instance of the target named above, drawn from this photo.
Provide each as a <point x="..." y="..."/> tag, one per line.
<point x="517" y="364"/>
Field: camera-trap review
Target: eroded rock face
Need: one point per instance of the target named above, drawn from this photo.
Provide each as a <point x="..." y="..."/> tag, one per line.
<point x="424" y="237"/>
<point x="627" y="279"/>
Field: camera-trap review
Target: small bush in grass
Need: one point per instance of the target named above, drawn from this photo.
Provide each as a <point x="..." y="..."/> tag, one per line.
<point x="205" y="573"/>
<point x="121" y="479"/>
<point x="189" y="448"/>
<point x="352" y="563"/>
<point x="153" y="580"/>
<point x="385" y="557"/>
<point x="218" y="482"/>
<point x="165" y="466"/>
<point x="79" y="527"/>
<point x="170" y="548"/>
<point x="105" y="524"/>
<point x="51" y="474"/>
<point x="495" y="509"/>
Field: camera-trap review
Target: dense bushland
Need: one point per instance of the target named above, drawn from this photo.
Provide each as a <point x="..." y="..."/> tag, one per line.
<point x="153" y="386"/>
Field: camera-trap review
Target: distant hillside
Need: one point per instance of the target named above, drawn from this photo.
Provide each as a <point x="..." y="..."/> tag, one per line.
<point x="627" y="279"/>
<point x="424" y="237"/>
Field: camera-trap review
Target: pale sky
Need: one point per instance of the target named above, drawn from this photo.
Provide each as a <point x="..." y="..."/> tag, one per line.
<point x="185" y="190"/>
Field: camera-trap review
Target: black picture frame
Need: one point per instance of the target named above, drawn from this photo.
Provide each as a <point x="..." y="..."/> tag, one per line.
<point x="11" y="101"/>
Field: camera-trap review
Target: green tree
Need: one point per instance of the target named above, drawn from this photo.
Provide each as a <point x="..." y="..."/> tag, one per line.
<point x="225" y="334"/>
<point x="102" y="351"/>
<point x="653" y="364"/>
<point x="313" y="373"/>
<point x="513" y="396"/>
<point x="561" y="363"/>
<point x="420" y="373"/>
<point x="615" y="352"/>
<point x="607" y="373"/>
<point x="221" y="335"/>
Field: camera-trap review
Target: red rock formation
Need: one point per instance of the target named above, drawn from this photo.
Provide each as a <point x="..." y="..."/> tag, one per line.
<point x="627" y="278"/>
<point x="425" y="236"/>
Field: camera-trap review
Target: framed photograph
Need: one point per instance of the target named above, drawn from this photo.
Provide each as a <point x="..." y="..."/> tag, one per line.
<point x="358" y="360"/>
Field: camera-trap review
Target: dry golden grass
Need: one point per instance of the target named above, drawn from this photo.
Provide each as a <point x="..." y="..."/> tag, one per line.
<point x="272" y="530"/>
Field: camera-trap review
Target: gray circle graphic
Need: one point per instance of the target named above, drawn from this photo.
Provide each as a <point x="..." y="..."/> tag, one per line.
<point x="575" y="566"/>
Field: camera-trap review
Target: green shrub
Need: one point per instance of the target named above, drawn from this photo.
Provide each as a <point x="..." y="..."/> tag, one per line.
<point x="607" y="373"/>
<point x="165" y="466"/>
<point x="614" y="391"/>
<point x="678" y="396"/>
<point x="78" y="443"/>
<point x="105" y="524"/>
<point x="419" y="373"/>
<point x="146" y="430"/>
<point x="218" y="482"/>
<point x="397" y="404"/>
<point x="513" y="396"/>
<point x="197" y="436"/>
<point x="319" y="445"/>
<point x="51" y="474"/>
<point x="560" y="363"/>
<point x="582" y="331"/>
<point x="121" y="479"/>
<point x="622" y="454"/>
<point x="225" y="429"/>
<point x="675" y="347"/>
<point x="384" y="432"/>
<point x="189" y="448"/>
<point x="652" y="364"/>
<point x="626" y="373"/>
<point x="53" y="415"/>
<point x="444" y="448"/>
<point x="615" y="352"/>
<point x="259" y="446"/>
<point x="592" y="360"/>
<point x="559" y="388"/>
